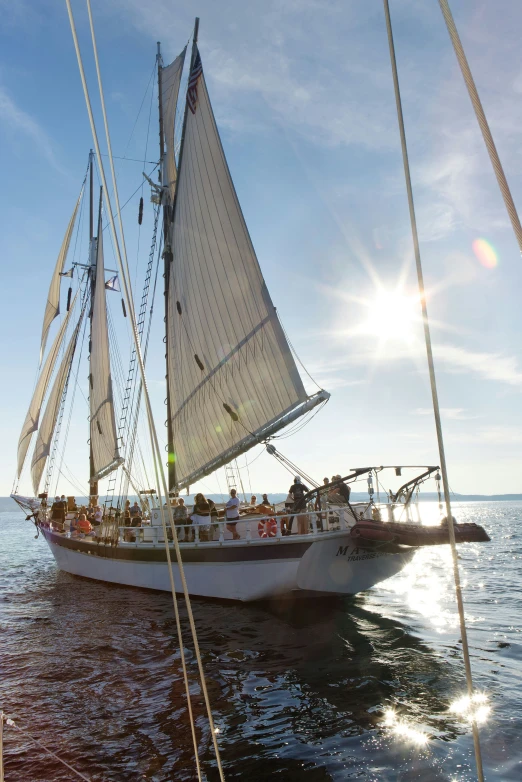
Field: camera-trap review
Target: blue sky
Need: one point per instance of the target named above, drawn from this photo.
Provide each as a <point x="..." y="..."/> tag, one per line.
<point x="303" y="97"/>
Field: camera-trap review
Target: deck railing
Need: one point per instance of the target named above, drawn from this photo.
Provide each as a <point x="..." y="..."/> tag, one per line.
<point x="251" y="530"/>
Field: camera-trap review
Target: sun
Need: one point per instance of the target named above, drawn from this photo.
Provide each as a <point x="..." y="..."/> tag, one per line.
<point x="392" y="315"/>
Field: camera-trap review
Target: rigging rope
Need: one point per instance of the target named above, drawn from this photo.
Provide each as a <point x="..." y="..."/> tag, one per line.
<point x="109" y="146"/>
<point x="75" y="386"/>
<point x="482" y="121"/>
<point x="157" y="454"/>
<point x="433" y="384"/>
<point x="12" y="724"/>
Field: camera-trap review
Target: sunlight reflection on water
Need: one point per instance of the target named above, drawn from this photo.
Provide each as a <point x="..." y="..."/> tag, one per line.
<point x="426" y="585"/>
<point x="472" y="709"/>
<point x="402" y="729"/>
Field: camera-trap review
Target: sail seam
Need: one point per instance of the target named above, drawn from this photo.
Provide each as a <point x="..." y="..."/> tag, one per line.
<point x="250" y="367"/>
<point x="241" y="280"/>
<point x="227" y="358"/>
<point x="199" y="233"/>
<point x="290" y="365"/>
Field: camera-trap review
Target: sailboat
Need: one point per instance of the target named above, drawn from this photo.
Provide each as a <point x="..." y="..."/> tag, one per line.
<point x="232" y="383"/>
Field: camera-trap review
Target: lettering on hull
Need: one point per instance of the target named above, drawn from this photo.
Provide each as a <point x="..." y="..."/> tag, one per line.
<point x="354" y="555"/>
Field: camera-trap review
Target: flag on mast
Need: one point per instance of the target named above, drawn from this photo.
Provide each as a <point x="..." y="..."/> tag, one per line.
<point x="192" y="87"/>
<point x="67" y="274"/>
<point x="113" y="284"/>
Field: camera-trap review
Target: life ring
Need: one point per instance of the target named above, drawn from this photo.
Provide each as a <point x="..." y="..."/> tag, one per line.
<point x="267" y="528"/>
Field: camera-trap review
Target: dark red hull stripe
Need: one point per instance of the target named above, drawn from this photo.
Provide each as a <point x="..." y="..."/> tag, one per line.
<point x="204" y="552"/>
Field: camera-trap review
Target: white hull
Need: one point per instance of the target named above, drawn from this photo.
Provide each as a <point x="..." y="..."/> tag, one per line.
<point x="256" y="570"/>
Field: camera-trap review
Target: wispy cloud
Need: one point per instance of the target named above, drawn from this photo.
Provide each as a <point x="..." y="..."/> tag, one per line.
<point x="490" y="366"/>
<point x="19" y="121"/>
<point x="503" y="369"/>
<point x="452" y="413"/>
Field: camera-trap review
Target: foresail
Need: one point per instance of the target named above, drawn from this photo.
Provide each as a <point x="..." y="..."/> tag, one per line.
<point x="52" y="308"/>
<point x="170" y="81"/>
<point x="227" y="317"/>
<point x="48" y="424"/>
<point x="104" y="441"/>
<point x="33" y="414"/>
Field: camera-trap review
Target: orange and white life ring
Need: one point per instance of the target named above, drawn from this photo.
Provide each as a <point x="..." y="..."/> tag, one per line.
<point x="267" y="528"/>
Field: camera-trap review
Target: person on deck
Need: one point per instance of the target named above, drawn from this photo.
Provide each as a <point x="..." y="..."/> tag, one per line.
<point x="253" y="499"/>
<point x="180" y="518"/>
<point x="126" y="514"/>
<point x="343" y="489"/>
<point x="201" y="515"/>
<point x="135" y="515"/>
<point x="82" y="525"/>
<point x="214" y="515"/>
<point x="98" y="517"/>
<point x="232" y="514"/>
<point x="58" y="514"/>
<point x="265" y="500"/>
<point x="297" y="491"/>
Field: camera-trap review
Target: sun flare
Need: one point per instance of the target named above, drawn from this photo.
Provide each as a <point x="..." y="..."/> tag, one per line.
<point x="392" y="315"/>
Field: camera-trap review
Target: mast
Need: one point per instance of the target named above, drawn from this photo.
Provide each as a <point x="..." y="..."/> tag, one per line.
<point x="93" y="484"/>
<point x="91" y="231"/>
<point x="167" y="259"/>
<point x="168" y="217"/>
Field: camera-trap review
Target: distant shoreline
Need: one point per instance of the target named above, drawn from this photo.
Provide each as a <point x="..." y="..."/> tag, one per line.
<point x="7" y="504"/>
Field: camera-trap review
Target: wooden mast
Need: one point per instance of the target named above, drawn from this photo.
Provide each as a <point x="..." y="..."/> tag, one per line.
<point x="167" y="260"/>
<point x="93" y="484"/>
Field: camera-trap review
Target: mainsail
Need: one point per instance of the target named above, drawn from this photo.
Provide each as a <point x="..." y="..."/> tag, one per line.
<point x="33" y="414"/>
<point x="52" y="308"/>
<point x="48" y="424"/>
<point x="225" y="345"/>
<point x="170" y="80"/>
<point x="104" y="442"/>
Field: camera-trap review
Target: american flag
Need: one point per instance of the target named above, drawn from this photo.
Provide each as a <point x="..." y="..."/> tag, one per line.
<point x="192" y="88"/>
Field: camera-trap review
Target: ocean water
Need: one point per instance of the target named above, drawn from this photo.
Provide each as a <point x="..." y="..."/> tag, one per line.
<point x="299" y="692"/>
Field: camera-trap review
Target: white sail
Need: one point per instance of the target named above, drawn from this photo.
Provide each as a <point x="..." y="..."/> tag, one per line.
<point x="104" y="441"/>
<point x="33" y="414"/>
<point x="227" y="319"/>
<point x="52" y="308"/>
<point x="52" y="408"/>
<point x="170" y="80"/>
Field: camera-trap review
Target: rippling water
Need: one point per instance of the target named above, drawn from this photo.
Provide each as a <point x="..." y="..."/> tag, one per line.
<point x="298" y="691"/>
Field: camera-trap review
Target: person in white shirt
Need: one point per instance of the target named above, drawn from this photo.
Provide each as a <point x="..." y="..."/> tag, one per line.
<point x="232" y="513"/>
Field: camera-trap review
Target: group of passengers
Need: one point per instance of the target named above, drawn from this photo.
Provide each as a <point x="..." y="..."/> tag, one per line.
<point x="132" y="514"/>
<point x="205" y="514"/>
<point x="86" y="518"/>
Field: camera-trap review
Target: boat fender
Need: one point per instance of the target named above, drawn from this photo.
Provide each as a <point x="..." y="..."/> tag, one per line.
<point x="140" y="212"/>
<point x="69" y="294"/>
<point x="123" y="308"/>
<point x="267" y="528"/>
<point x="444" y="522"/>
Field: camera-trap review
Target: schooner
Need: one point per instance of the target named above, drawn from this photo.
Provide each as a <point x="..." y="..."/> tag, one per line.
<point x="232" y="383"/>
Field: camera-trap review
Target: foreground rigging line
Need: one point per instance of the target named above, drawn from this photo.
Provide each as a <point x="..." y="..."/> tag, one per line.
<point x="109" y="146"/>
<point x="127" y="293"/>
<point x="433" y="384"/>
<point x="482" y="121"/>
<point x="157" y="454"/>
<point x="12" y="724"/>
